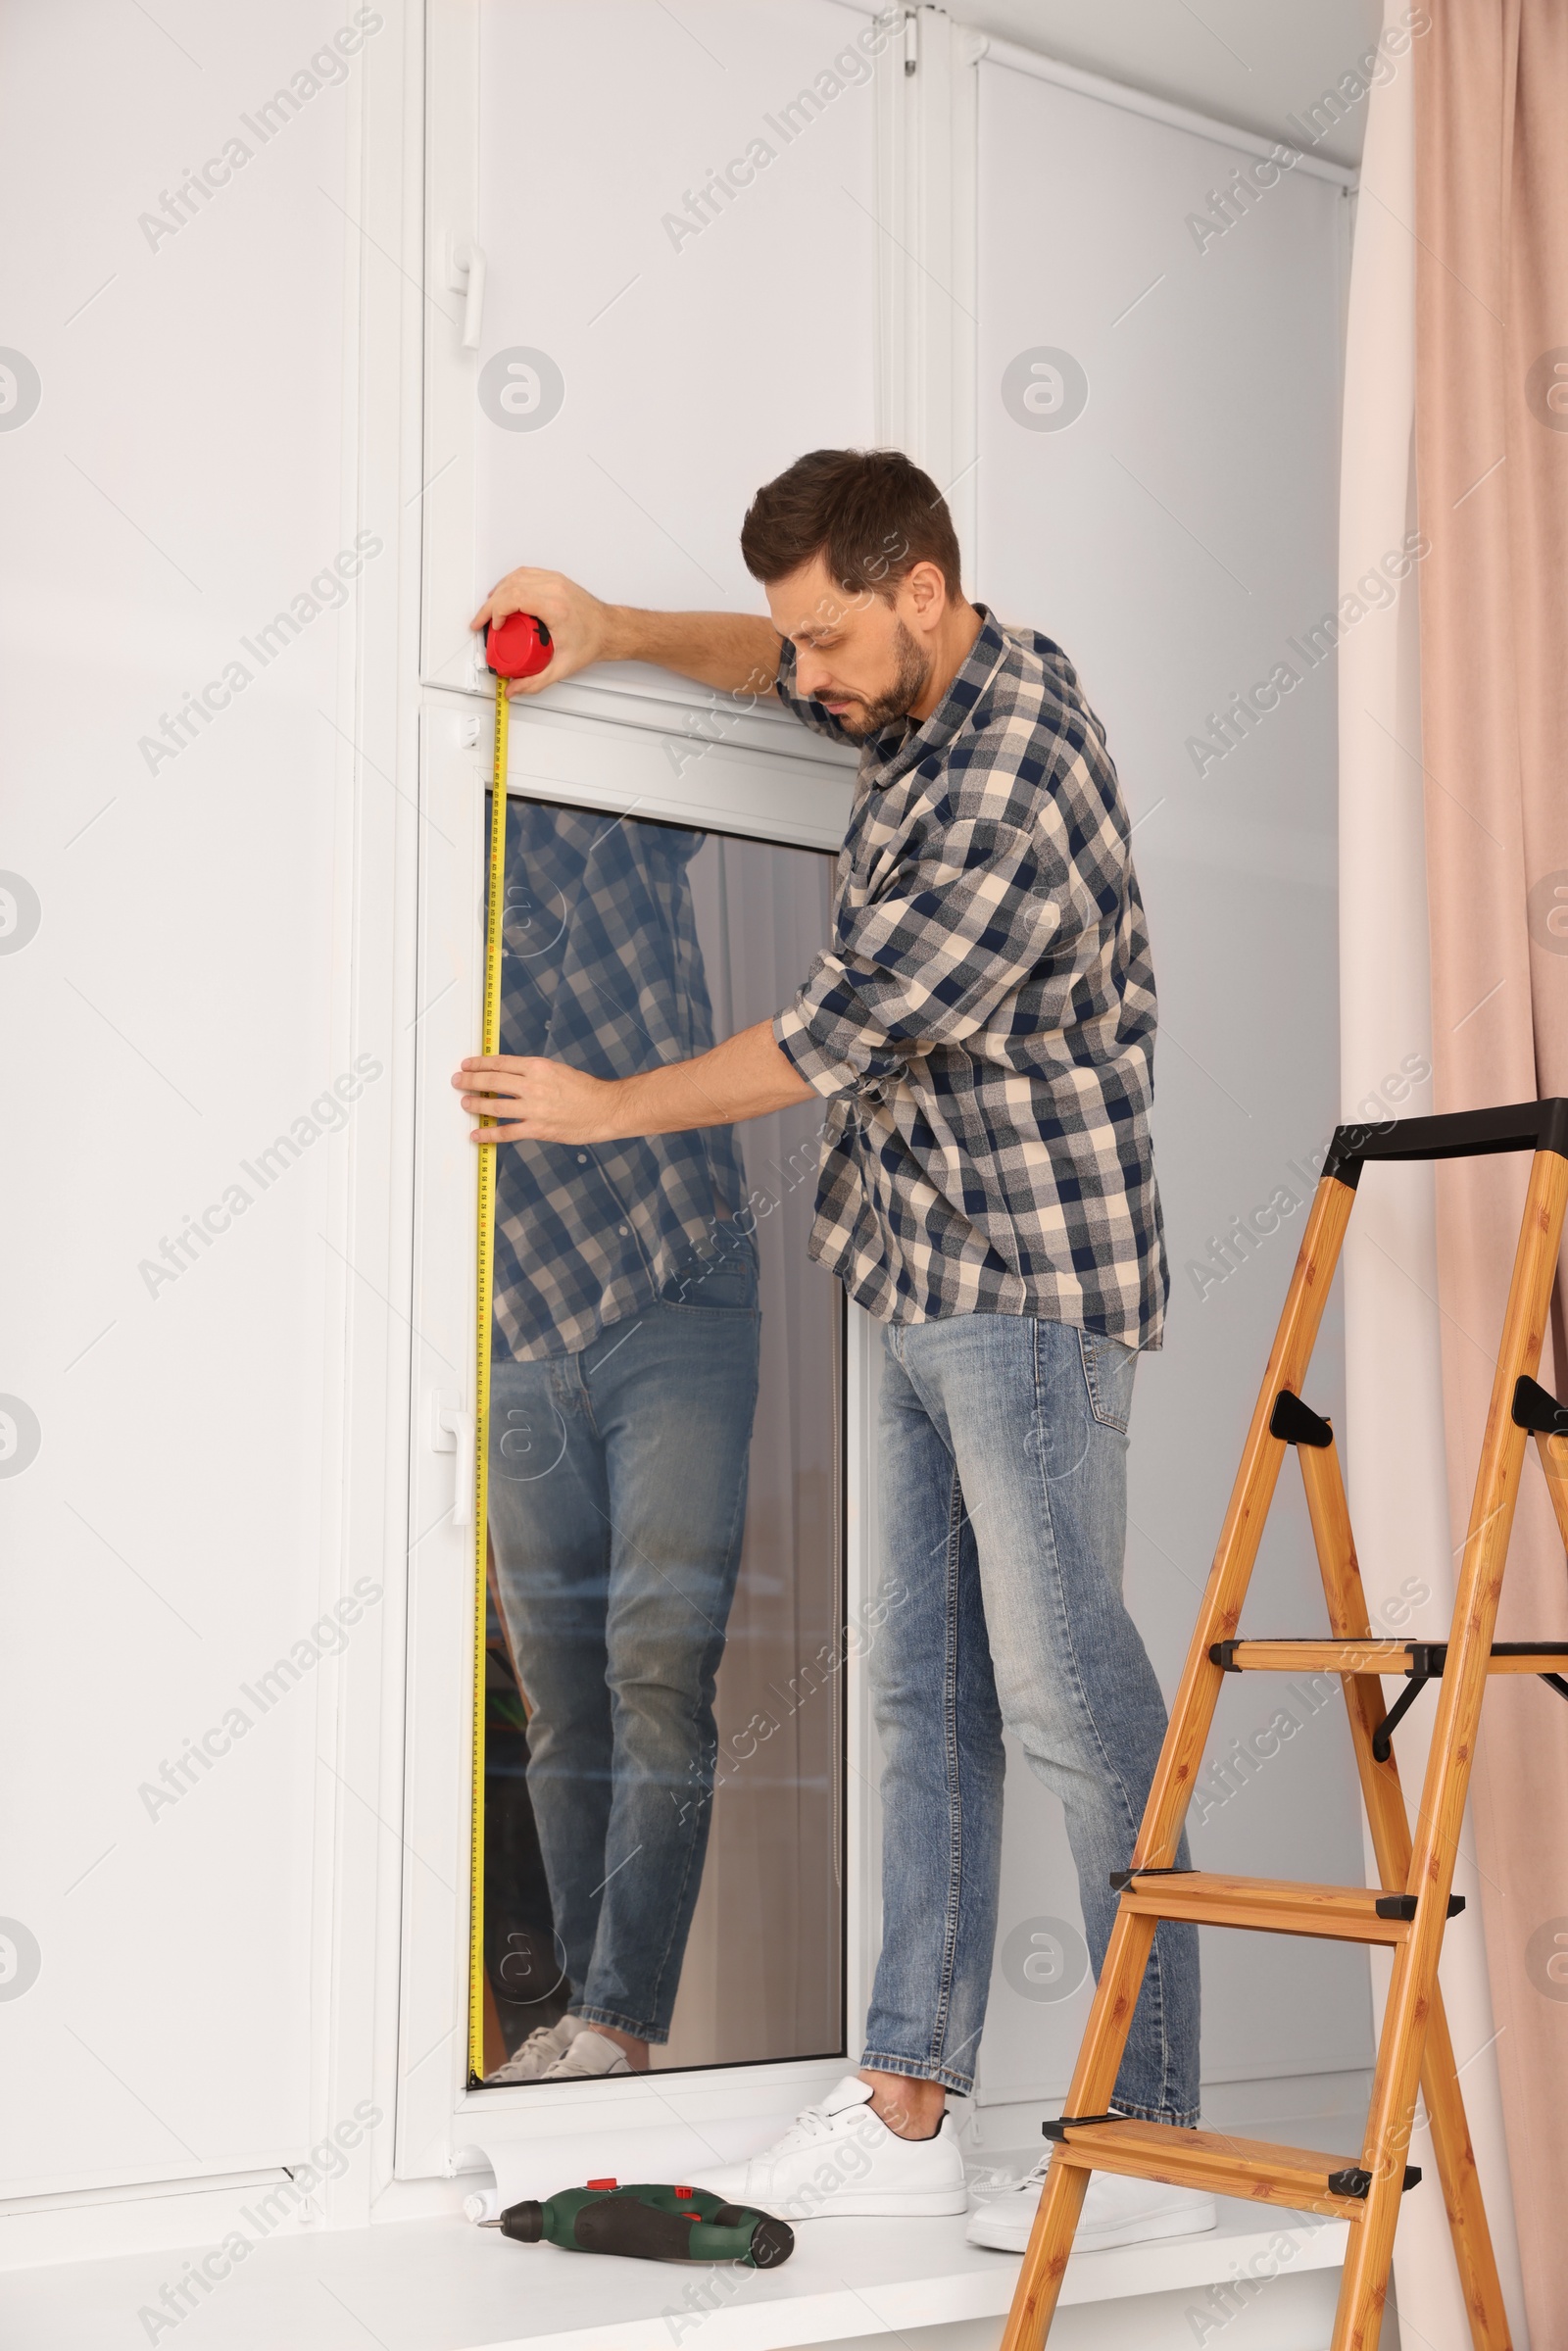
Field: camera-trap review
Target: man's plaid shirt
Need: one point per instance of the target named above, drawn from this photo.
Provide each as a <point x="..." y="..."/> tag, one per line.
<point x="601" y="968"/>
<point x="982" y="1020"/>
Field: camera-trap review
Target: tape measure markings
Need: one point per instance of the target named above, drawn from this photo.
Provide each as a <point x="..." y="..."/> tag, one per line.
<point x="489" y="1043"/>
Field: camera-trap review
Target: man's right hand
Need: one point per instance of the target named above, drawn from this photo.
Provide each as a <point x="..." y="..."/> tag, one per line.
<point x="735" y="652"/>
<point x="579" y="625"/>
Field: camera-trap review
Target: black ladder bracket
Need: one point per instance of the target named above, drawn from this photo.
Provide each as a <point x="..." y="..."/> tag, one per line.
<point x="1123" y="1881"/>
<point x="1296" y="1423"/>
<point x="1536" y="1409"/>
<point x="1403" y="1906"/>
<point x="1383" y="1735"/>
<point x="1354" y="2181"/>
<point x="1223" y="1654"/>
<point x="1057" y="2129"/>
<point x="1427" y="1660"/>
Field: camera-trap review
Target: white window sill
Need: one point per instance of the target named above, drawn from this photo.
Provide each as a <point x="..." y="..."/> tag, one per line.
<point x="445" y="2285"/>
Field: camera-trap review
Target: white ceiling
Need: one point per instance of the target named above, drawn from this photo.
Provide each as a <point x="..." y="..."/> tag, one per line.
<point x="1249" y="63"/>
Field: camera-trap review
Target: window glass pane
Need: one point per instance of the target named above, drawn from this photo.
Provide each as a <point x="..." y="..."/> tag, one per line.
<point x="663" y="1829"/>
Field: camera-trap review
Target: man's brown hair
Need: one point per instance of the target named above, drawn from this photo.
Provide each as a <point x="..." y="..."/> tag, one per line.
<point x="870" y="514"/>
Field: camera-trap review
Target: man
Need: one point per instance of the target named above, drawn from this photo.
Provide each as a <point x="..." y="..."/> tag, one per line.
<point x="981" y="1028"/>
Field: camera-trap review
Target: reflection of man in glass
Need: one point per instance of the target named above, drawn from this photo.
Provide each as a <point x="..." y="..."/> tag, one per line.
<point x="623" y="1383"/>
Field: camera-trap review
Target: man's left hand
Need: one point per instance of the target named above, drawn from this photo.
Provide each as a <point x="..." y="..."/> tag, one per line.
<point x="546" y="1101"/>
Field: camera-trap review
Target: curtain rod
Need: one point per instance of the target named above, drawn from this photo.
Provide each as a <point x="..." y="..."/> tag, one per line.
<point x="988" y="48"/>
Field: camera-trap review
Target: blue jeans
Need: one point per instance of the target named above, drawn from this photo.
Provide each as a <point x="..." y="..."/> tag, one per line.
<point x="617" y="1501"/>
<point x="1004" y="1500"/>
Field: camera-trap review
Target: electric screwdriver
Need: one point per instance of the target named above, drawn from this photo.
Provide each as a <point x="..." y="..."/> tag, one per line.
<point x="652" y="2223"/>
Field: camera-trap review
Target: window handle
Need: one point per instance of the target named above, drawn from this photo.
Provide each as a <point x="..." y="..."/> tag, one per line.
<point x="465" y="276"/>
<point x="452" y="1431"/>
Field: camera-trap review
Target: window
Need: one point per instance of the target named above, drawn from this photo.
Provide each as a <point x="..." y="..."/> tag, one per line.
<point x="663" y="1710"/>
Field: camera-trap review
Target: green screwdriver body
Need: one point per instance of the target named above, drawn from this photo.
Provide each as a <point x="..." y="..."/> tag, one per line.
<point x="651" y="2223"/>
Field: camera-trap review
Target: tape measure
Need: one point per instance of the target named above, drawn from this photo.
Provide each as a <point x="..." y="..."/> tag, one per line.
<point x="520" y="647"/>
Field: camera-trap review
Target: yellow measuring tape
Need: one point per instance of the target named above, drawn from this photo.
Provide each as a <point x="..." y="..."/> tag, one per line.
<point x="489" y="1043"/>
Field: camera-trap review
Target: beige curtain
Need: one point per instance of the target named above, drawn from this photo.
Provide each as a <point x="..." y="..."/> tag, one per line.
<point x="1394" y="1431"/>
<point x="1492" y="456"/>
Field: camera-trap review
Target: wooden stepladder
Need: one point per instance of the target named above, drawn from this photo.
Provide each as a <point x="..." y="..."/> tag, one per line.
<point x="1411" y="1910"/>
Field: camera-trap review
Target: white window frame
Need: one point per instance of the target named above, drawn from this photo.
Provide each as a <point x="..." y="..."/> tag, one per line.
<point x="556" y="755"/>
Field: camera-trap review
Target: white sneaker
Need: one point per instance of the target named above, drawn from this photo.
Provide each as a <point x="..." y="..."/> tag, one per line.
<point x="842" y="2162"/>
<point x="543" y="2044"/>
<point x="1116" y="2212"/>
<point x="589" y="2055"/>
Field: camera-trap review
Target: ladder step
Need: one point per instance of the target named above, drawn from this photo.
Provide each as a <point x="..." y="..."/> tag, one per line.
<point x="1251" y="2168"/>
<point x="1423" y="1657"/>
<point x="1360" y="1914"/>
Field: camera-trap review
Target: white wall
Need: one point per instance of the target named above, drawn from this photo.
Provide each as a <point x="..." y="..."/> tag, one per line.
<point x="181" y="1004"/>
<point x="694" y="364"/>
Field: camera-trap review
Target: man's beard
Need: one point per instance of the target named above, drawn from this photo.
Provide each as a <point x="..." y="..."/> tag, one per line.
<point x="907" y="689"/>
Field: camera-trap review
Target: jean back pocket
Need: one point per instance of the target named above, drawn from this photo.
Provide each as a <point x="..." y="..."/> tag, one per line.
<point x="1108" y="1372"/>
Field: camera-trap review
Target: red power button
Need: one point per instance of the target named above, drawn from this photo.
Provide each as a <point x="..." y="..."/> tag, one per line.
<point x="602" y="2184"/>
